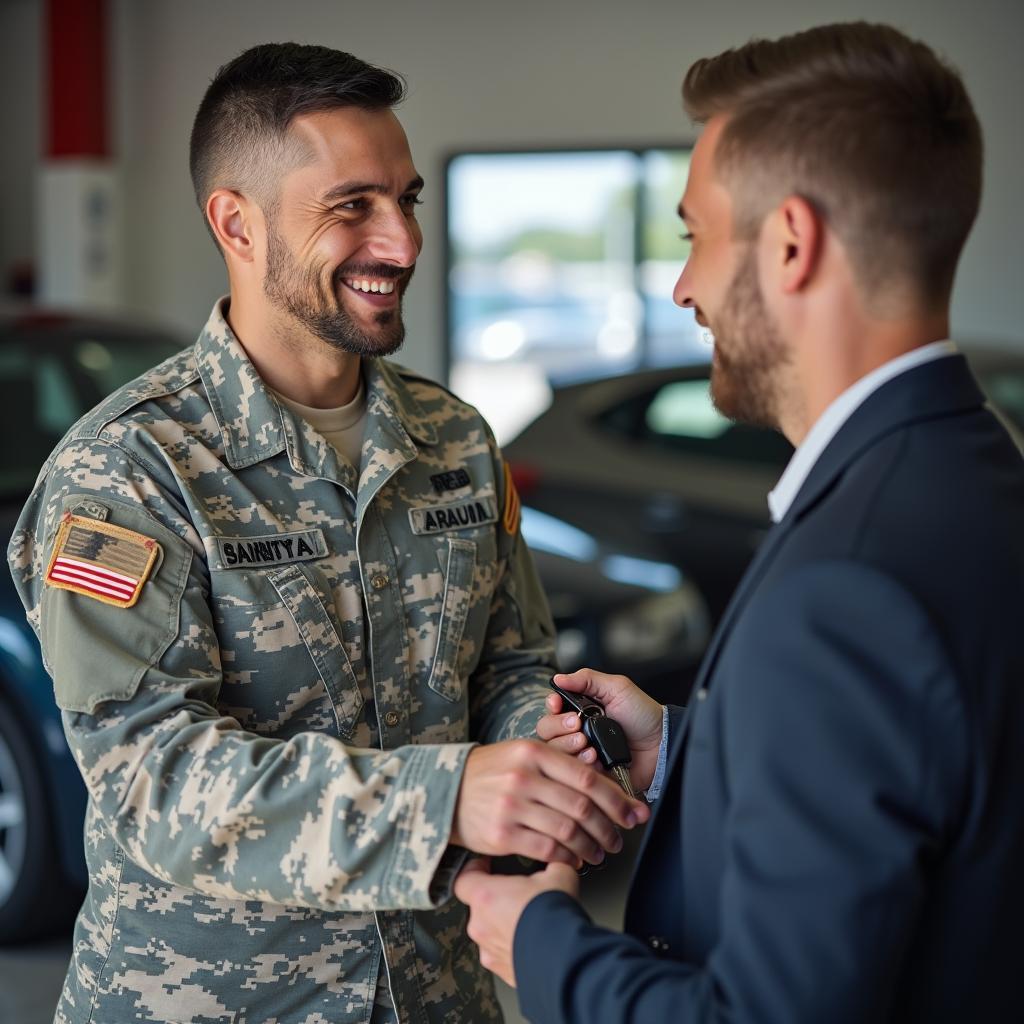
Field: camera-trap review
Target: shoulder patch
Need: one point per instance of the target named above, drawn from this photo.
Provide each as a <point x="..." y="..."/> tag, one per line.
<point x="101" y="560"/>
<point x="513" y="507"/>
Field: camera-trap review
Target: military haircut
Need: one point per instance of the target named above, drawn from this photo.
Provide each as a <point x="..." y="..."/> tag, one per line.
<point x="871" y="127"/>
<point x="240" y="136"/>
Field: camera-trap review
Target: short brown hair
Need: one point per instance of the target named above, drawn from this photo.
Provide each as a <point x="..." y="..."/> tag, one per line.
<point x="238" y="137"/>
<point x="869" y="126"/>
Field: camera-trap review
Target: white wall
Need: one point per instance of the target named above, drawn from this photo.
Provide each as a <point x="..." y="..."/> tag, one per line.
<point x="533" y="72"/>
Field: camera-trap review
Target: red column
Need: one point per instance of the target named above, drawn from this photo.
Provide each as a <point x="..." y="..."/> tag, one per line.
<point x="76" y="41"/>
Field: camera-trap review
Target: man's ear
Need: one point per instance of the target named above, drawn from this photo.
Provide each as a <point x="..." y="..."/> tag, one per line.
<point x="230" y="215"/>
<point x="796" y="243"/>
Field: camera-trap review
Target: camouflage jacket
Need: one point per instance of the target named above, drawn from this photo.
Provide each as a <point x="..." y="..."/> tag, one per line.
<point x="271" y="670"/>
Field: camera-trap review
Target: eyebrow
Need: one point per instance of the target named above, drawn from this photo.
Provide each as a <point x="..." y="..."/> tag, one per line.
<point x="354" y="188"/>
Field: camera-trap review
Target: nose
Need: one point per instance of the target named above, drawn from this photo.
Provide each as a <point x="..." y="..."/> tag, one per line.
<point x="396" y="239"/>
<point x="681" y="293"/>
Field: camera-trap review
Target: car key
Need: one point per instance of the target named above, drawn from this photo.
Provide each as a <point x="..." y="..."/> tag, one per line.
<point x="605" y="736"/>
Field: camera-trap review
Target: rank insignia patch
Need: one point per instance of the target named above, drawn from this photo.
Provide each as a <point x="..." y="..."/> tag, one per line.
<point x="100" y="560"/>
<point x="450" y="481"/>
<point x="510" y="519"/>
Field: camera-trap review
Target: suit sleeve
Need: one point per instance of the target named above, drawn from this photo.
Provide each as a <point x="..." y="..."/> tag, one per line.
<point x="510" y="683"/>
<point x="189" y="795"/>
<point x="841" y="731"/>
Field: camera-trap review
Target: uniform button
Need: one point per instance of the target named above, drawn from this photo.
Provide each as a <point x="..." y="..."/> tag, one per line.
<point x="380" y="581"/>
<point x="658" y="944"/>
<point x="391" y="718"/>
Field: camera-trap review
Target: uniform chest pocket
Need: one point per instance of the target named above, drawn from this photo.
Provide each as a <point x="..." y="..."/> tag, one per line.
<point x="445" y="678"/>
<point x="266" y="620"/>
<point x="322" y="641"/>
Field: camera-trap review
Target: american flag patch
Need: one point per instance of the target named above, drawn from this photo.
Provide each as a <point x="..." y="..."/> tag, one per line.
<point x="101" y="560"/>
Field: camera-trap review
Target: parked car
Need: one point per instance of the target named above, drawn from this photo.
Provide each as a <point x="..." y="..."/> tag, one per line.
<point x="644" y="465"/>
<point x="52" y="370"/>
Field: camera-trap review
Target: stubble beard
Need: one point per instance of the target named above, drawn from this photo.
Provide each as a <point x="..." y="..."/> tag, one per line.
<point x="302" y="294"/>
<point x="750" y="355"/>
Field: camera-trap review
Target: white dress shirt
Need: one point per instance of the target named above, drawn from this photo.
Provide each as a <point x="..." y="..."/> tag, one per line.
<point x="838" y="412"/>
<point x="803" y="460"/>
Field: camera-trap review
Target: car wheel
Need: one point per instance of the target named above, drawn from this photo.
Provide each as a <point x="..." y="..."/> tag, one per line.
<point x="35" y="897"/>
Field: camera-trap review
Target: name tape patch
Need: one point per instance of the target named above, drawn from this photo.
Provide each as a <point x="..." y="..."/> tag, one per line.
<point x="101" y="560"/>
<point x="458" y="515"/>
<point x="270" y="549"/>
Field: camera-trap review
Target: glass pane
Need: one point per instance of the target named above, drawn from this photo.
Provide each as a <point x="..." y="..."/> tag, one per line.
<point x="673" y="335"/>
<point x="542" y="276"/>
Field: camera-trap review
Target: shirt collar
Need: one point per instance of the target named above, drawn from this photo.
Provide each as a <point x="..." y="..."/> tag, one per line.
<point x="838" y="412"/>
<point x="254" y="425"/>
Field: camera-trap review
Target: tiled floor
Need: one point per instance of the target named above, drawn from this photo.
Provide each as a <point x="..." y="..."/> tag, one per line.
<point x="30" y="981"/>
<point x="31" y="977"/>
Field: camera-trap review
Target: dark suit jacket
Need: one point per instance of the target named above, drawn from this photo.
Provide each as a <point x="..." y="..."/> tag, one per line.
<point x="841" y="833"/>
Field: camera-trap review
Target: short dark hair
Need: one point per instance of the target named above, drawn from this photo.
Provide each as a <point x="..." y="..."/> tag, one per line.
<point x="869" y="126"/>
<point x="243" y="120"/>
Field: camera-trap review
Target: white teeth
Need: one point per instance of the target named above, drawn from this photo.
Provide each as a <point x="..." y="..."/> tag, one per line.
<point x="382" y="287"/>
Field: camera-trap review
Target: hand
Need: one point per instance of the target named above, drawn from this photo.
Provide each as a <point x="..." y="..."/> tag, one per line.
<point x="496" y="902"/>
<point x="639" y="715"/>
<point x="522" y="797"/>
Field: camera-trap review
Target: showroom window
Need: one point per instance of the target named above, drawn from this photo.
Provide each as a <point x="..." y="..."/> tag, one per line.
<point x="560" y="268"/>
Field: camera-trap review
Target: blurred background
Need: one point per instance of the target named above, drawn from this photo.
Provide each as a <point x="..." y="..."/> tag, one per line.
<point x="554" y="150"/>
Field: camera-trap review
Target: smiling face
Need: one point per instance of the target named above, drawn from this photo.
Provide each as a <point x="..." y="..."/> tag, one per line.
<point x="342" y="235"/>
<point x="720" y="283"/>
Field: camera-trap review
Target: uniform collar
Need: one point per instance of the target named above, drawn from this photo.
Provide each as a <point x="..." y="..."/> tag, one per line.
<point x="255" y="426"/>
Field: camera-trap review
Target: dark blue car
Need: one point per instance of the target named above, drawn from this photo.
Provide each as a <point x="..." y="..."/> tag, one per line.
<point x="52" y="370"/>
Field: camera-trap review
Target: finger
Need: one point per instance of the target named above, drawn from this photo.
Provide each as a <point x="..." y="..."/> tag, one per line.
<point x="576" y="808"/>
<point x="571" y="744"/>
<point x="587" y="680"/>
<point x="477" y="865"/>
<point x="540" y="846"/>
<point x="554" y="703"/>
<point x="560" y="875"/>
<point x="600" y="790"/>
<point x="471" y="881"/>
<point x="565" y="833"/>
<point x="557" y="725"/>
<point x="588" y="756"/>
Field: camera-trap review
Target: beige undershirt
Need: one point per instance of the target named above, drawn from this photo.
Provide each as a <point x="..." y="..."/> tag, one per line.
<point x="344" y="427"/>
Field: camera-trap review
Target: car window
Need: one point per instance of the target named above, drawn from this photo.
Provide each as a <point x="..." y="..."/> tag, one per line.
<point x="49" y="379"/>
<point x="680" y="416"/>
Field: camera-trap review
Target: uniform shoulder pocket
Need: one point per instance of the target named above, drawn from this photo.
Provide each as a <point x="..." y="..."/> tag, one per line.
<point x="111" y="600"/>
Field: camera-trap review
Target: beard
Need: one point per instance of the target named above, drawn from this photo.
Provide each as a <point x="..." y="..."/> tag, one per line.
<point x="750" y="356"/>
<point x="309" y="295"/>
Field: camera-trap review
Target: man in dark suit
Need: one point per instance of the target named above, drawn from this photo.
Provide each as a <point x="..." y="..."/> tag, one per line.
<point x="839" y="824"/>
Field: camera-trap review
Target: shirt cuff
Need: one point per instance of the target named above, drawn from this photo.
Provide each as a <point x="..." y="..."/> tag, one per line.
<point x="654" y="790"/>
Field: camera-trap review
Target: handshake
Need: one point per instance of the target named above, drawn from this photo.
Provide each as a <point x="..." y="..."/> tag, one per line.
<point x="550" y="801"/>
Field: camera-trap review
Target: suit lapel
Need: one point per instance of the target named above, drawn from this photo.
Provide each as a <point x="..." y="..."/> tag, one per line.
<point x="940" y="388"/>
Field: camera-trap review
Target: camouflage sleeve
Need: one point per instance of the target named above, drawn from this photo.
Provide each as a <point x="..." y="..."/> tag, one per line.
<point x="190" y="796"/>
<point x="508" y="688"/>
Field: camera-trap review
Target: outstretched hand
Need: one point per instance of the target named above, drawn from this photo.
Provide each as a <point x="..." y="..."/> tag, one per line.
<point x="523" y="797"/>
<point x="639" y="715"/>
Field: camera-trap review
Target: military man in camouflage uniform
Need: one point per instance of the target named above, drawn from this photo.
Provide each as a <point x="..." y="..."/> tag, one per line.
<point x="275" y="662"/>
